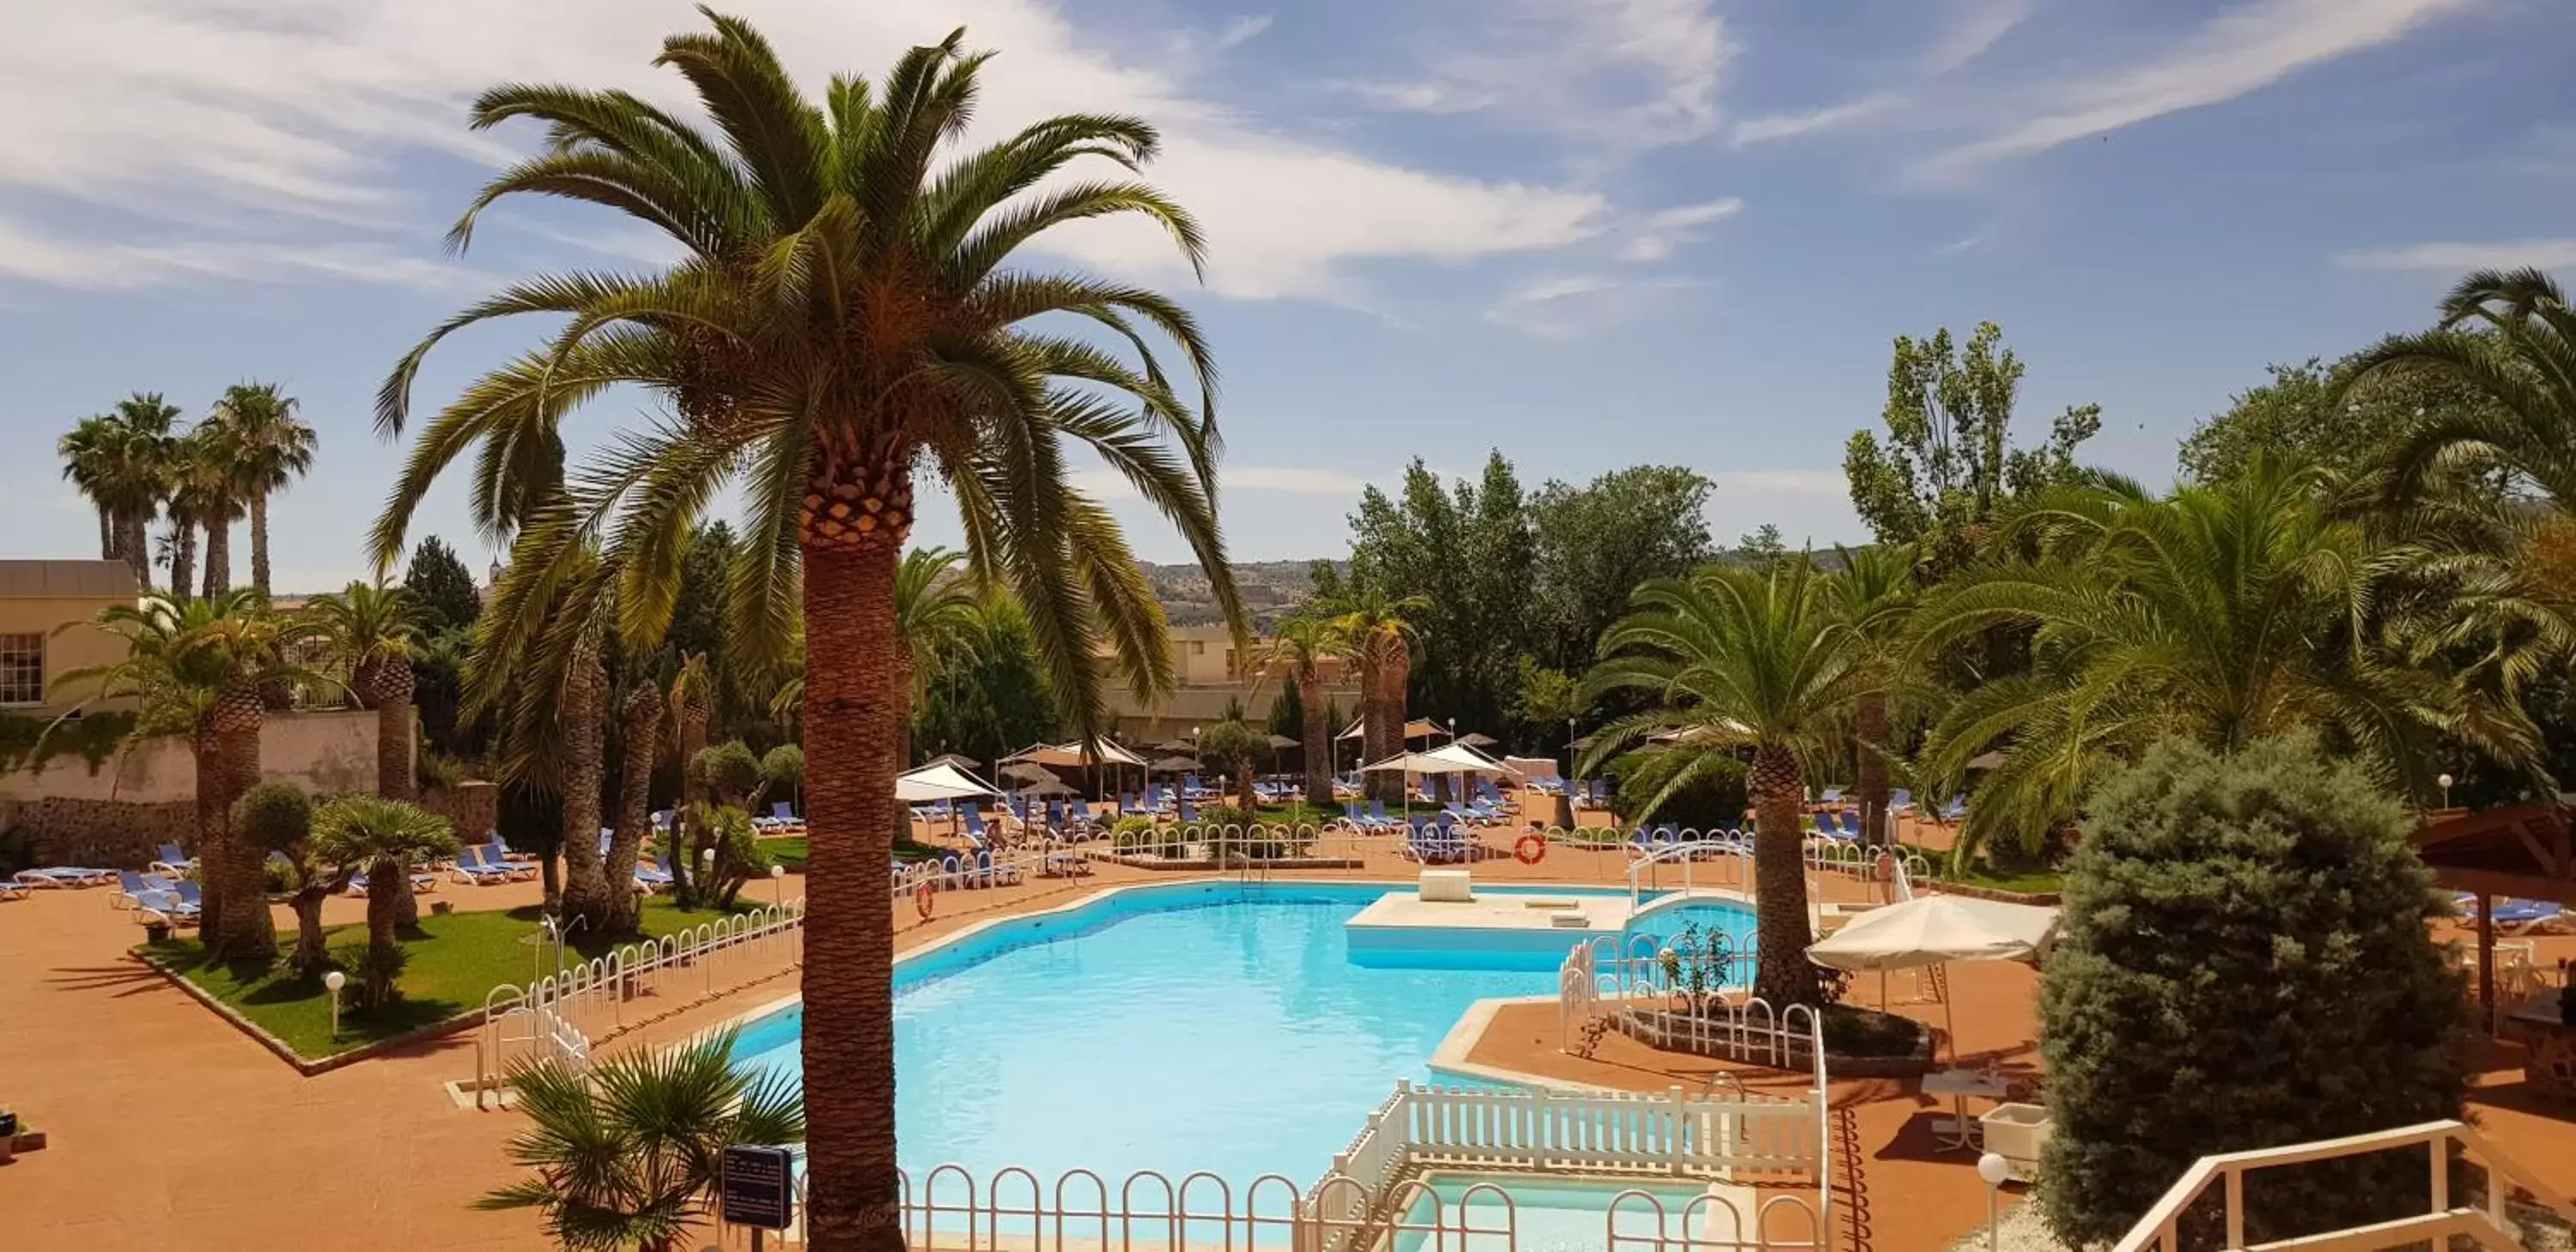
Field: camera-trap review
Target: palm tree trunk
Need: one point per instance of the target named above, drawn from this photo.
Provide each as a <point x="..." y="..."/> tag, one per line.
<point x="219" y="556"/>
<point x="259" y="544"/>
<point x="396" y="777"/>
<point x="388" y="881"/>
<point x="242" y="930"/>
<point x="585" y="892"/>
<point x="135" y="545"/>
<point x="857" y="685"/>
<point x="642" y="716"/>
<point x="1780" y="880"/>
<point x="183" y="558"/>
<point x="106" y="533"/>
<point x="1869" y="725"/>
<point x="1318" y="730"/>
<point x="902" y="812"/>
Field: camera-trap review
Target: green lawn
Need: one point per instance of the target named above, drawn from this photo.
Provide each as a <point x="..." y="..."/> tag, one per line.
<point x="792" y="850"/>
<point x="1982" y="873"/>
<point x="455" y="961"/>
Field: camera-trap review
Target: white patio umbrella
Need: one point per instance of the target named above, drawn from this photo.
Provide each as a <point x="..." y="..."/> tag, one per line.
<point x="933" y="783"/>
<point x="1453" y="758"/>
<point x="1936" y="930"/>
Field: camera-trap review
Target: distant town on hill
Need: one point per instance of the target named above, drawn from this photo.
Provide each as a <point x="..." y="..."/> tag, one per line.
<point x="1269" y="589"/>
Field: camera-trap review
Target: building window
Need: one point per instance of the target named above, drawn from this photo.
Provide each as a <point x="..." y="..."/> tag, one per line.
<point x="22" y="669"/>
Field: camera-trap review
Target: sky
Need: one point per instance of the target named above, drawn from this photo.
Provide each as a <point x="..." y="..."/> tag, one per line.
<point x="1587" y="233"/>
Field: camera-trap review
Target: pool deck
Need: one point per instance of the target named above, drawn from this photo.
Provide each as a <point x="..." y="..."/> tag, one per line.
<point x="170" y="1129"/>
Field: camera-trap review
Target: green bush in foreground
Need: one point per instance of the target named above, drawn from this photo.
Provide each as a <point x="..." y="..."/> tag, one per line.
<point x="2244" y="963"/>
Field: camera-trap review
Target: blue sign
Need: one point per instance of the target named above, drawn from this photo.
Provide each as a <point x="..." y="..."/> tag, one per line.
<point x="757" y="1187"/>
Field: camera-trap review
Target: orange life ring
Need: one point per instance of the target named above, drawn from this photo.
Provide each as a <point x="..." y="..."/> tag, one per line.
<point x="921" y="896"/>
<point x="1530" y="849"/>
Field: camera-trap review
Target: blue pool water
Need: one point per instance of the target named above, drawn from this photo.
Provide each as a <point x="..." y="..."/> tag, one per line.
<point x="1175" y="1027"/>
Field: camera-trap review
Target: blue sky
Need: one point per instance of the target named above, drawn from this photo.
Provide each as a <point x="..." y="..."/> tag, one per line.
<point x="1586" y="232"/>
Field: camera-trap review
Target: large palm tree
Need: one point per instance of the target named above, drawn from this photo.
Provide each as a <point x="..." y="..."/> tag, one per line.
<point x="1295" y="653"/>
<point x="375" y="630"/>
<point x="271" y="448"/>
<point x="1874" y="593"/>
<point x="1738" y="660"/>
<point x="2223" y="613"/>
<point x="626" y="1152"/>
<point x="120" y="460"/>
<point x="198" y="668"/>
<point x="389" y="838"/>
<point x="2511" y="337"/>
<point x="205" y="492"/>
<point x="692" y="698"/>
<point x="845" y="314"/>
<point x="1375" y="630"/>
<point x="639" y="717"/>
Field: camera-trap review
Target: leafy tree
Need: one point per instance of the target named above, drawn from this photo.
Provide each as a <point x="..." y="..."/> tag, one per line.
<point x="783" y="769"/>
<point x="1948" y="465"/>
<point x="443" y="586"/>
<point x="1466" y="553"/>
<point x="1737" y="659"/>
<point x="277" y="817"/>
<point x="1761" y="548"/>
<point x="987" y="695"/>
<point x="729" y="772"/>
<point x="1235" y="747"/>
<point x="1593" y="545"/>
<point x="2308" y="415"/>
<point x="625" y="1154"/>
<point x="1546" y="701"/>
<point x="389" y="838"/>
<point x="2244" y="962"/>
<point x="884" y="326"/>
<point x="2222" y="614"/>
<point x="270" y="448"/>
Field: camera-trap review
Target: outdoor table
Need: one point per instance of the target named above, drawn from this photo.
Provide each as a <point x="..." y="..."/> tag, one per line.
<point x="2549" y="1042"/>
<point x="1958" y="1132"/>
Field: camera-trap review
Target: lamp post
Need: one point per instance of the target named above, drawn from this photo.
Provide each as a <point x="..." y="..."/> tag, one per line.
<point x="332" y="982"/>
<point x="2445" y="782"/>
<point x="1994" y="1169"/>
<point x="778" y="885"/>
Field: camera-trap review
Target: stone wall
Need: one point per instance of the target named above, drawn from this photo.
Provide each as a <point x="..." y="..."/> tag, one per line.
<point x="325" y="753"/>
<point x="473" y="808"/>
<point x="100" y="834"/>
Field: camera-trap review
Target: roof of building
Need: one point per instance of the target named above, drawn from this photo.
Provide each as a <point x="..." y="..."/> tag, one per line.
<point x="104" y="579"/>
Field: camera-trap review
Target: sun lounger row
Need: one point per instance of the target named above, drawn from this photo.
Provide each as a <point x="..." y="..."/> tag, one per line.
<point x="2515" y="917"/>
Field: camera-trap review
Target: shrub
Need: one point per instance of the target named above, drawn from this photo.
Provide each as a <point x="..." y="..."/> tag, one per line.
<point x="728" y="770"/>
<point x="1131" y="834"/>
<point x="279" y="878"/>
<point x="784" y="768"/>
<point x="1715" y="800"/>
<point x="273" y="816"/>
<point x="2244" y="963"/>
<point x="1852" y="1031"/>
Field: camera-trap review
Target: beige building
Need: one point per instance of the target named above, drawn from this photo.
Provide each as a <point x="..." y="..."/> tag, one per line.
<point x="1213" y="672"/>
<point x="37" y="600"/>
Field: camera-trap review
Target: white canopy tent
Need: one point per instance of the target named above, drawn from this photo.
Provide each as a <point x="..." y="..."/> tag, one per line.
<point x="1454" y="758"/>
<point x="939" y="781"/>
<point x="1418" y="728"/>
<point x="1935" y="930"/>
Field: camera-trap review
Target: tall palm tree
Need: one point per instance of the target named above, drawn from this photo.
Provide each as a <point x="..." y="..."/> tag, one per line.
<point x="1375" y="630"/>
<point x="1738" y="659"/>
<point x="390" y="838"/>
<point x="1874" y="594"/>
<point x="626" y="1152"/>
<point x="1295" y="653"/>
<point x="120" y="460"/>
<point x="846" y="313"/>
<point x="271" y="448"/>
<point x="198" y="668"/>
<point x="205" y="491"/>
<point x="375" y="631"/>
<point x="693" y="700"/>
<point x="2224" y="613"/>
<point x="89" y="452"/>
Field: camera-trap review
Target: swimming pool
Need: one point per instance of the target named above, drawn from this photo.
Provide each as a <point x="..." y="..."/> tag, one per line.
<point x="1172" y="1027"/>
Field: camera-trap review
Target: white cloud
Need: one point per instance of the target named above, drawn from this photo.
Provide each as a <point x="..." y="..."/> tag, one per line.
<point x="1655" y="237"/>
<point x="1963" y="244"/>
<point x="1754" y="130"/>
<point x="53" y="261"/>
<point x="2238" y="52"/>
<point x="2456" y="257"/>
<point x="1583" y="305"/>
<point x="1970" y="29"/>
<point x="1616" y="75"/>
<point x="298" y="122"/>
<point x="1239" y="30"/>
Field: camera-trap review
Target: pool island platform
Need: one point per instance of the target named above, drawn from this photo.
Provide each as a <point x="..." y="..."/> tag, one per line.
<point x="1448" y="924"/>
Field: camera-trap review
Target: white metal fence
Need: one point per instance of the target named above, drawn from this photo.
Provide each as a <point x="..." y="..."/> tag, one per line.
<point x="558" y="1016"/>
<point x="1631" y="985"/>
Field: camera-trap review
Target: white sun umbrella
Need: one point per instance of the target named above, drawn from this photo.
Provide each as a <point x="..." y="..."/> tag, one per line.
<point x="1453" y="758"/>
<point x="1935" y="930"/>
<point x="941" y="781"/>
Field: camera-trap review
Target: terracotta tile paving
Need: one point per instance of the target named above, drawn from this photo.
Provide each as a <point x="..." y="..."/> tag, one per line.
<point x="206" y="1141"/>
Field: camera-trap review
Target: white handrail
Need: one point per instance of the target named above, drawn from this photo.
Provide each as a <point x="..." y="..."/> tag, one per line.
<point x="2159" y="1226"/>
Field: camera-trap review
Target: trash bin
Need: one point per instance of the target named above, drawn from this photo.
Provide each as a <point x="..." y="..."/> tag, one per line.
<point x="2017" y="1132"/>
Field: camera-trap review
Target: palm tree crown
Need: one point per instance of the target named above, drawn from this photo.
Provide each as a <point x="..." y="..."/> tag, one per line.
<point x="271" y="447"/>
<point x="2511" y="337"/>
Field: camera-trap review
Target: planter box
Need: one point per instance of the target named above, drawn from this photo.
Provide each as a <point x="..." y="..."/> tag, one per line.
<point x="2016" y="1132"/>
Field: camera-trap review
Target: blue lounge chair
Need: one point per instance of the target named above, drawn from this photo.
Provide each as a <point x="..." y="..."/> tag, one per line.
<point x="1377" y="811"/>
<point x="470" y="867"/>
<point x="132" y="886"/>
<point x="1900" y="800"/>
<point x="174" y="862"/>
<point x="57" y="876"/>
<point x="1956" y="809"/>
<point x="1189" y="813"/>
<point x="2520" y="916"/>
<point x="164" y="907"/>
<point x="976" y="833"/>
<point x="656" y="876"/>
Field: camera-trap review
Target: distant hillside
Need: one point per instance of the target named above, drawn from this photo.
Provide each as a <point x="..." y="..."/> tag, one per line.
<point x="1269" y="589"/>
